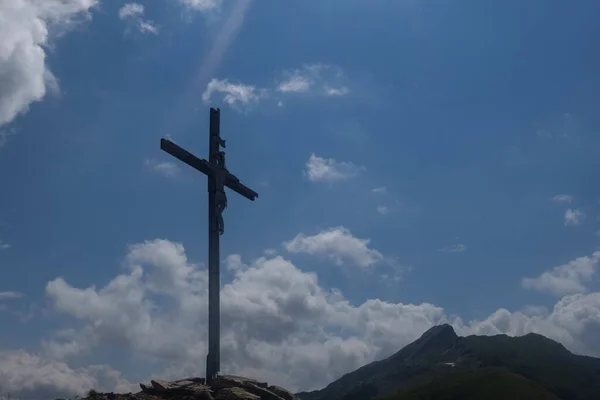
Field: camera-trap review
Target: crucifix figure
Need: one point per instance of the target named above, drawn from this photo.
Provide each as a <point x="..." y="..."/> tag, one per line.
<point x="218" y="178"/>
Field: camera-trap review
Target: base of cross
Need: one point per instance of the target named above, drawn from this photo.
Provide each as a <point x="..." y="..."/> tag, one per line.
<point x="226" y="387"/>
<point x="212" y="369"/>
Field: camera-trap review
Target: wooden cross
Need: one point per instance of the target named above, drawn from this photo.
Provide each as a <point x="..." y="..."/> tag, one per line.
<point x="218" y="178"/>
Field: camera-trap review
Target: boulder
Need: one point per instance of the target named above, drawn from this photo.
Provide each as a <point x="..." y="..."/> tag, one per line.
<point x="146" y="388"/>
<point x="159" y="386"/>
<point x="241" y="380"/>
<point x="249" y="385"/>
<point x="281" y="392"/>
<point x="235" y="393"/>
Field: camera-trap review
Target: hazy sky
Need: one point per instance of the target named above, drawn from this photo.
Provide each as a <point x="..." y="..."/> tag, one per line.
<point x="417" y="161"/>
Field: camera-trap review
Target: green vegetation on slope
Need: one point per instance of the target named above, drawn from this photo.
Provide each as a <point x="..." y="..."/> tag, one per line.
<point x="487" y="383"/>
<point x="542" y="360"/>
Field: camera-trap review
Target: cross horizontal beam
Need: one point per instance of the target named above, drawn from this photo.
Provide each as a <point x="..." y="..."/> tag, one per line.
<point x="231" y="181"/>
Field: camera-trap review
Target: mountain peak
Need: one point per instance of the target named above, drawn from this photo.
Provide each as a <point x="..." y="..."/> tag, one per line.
<point x="440" y="330"/>
<point x="433" y="342"/>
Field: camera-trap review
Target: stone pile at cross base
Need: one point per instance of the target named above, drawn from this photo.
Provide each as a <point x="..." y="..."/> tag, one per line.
<point x="226" y="387"/>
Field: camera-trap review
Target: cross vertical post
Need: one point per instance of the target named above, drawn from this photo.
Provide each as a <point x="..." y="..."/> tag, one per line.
<point x="213" y="362"/>
<point x="218" y="178"/>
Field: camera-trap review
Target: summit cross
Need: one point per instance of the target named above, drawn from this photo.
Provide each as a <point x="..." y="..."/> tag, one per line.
<point x="218" y="179"/>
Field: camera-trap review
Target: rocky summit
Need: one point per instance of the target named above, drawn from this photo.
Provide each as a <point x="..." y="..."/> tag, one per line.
<point x="227" y="387"/>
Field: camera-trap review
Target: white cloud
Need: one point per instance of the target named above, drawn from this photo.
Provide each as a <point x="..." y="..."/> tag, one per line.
<point x="297" y="84"/>
<point x="233" y="262"/>
<point x="563" y="199"/>
<point x="574" y="322"/>
<point x="279" y="324"/>
<point x="270" y="252"/>
<point x="455" y="248"/>
<point x="10" y="295"/>
<point x="342" y="91"/>
<point x="28" y="376"/>
<point x="322" y="79"/>
<point x="233" y="93"/>
<point x="337" y="244"/>
<point x="320" y="169"/>
<point x="566" y="279"/>
<point x="26" y="27"/>
<point x="380" y="190"/>
<point x="318" y="79"/>
<point x="4" y="245"/>
<point x="573" y="217"/>
<point x="202" y="5"/>
<point x="130" y="10"/>
<point x="383" y="210"/>
<point x="133" y="14"/>
<point x="165" y="168"/>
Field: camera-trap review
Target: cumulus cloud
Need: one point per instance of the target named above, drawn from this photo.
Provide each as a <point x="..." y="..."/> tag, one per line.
<point x="28" y="376"/>
<point x="234" y="94"/>
<point x="563" y="199"/>
<point x="319" y="169"/>
<point x="573" y="217"/>
<point x="566" y="279"/>
<point x="339" y="245"/>
<point x="133" y="15"/>
<point x="574" y="321"/>
<point x="26" y="27"/>
<point x="165" y="168"/>
<point x="455" y="248"/>
<point x="279" y="324"/>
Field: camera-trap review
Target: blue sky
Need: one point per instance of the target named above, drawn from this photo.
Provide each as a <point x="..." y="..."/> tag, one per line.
<point x="427" y="161"/>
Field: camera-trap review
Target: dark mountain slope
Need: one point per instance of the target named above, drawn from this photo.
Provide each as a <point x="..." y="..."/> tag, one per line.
<point x="485" y="383"/>
<point x="440" y="358"/>
<point x="542" y="360"/>
<point x="383" y="376"/>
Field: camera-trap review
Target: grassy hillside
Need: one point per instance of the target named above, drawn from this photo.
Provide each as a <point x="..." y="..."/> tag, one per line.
<point x="542" y="360"/>
<point x="487" y="383"/>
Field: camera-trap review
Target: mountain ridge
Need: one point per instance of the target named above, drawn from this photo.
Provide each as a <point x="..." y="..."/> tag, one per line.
<point x="539" y="366"/>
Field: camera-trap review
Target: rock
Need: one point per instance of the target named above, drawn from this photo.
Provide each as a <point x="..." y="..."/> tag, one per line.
<point x="201" y="381"/>
<point x="235" y="393"/>
<point x="195" y="389"/>
<point x="242" y="380"/>
<point x="226" y="387"/>
<point x="281" y="392"/>
<point x="146" y="388"/>
<point x="183" y="382"/>
<point x="249" y="385"/>
<point x="160" y="385"/>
